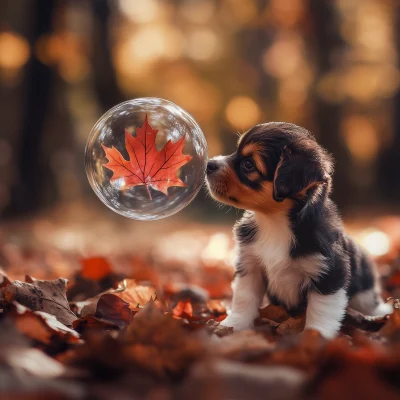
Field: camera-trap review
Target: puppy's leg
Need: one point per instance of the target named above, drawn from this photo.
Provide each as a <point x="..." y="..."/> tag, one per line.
<point x="325" y="312"/>
<point x="370" y="302"/>
<point x="368" y="299"/>
<point x="248" y="293"/>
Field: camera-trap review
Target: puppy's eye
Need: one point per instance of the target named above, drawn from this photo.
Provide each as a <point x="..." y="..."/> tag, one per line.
<point x="248" y="165"/>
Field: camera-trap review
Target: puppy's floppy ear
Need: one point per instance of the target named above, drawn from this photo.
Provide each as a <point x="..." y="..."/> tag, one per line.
<point x="296" y="174"/>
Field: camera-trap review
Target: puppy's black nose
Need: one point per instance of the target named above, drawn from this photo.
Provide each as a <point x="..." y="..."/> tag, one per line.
<point x="212" y="166"/>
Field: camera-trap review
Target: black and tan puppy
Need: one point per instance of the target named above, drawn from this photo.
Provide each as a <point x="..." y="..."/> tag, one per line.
<point x="291" y="244"/>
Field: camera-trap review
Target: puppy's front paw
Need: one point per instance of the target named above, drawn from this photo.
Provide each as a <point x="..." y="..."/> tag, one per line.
<point x="237" y="323"/>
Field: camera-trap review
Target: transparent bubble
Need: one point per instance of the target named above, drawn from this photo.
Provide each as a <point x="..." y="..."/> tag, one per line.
<point x="161" y="180"/>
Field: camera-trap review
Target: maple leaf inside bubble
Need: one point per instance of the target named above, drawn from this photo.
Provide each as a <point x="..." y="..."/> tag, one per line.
<point x="146" y="165"/>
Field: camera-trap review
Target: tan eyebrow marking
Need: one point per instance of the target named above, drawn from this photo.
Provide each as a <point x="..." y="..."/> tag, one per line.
<point x="253" y="149"/>
<point x="259" y="163"/>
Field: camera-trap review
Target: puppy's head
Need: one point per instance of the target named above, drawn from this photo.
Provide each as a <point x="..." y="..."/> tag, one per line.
<point x="275" y="165"/>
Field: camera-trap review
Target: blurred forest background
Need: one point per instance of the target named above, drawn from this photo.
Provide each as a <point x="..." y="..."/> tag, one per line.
<point x="141" y="293"/>
<point x="331" y="66"/>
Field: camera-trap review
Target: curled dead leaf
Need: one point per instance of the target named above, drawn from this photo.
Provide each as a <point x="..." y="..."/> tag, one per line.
<point x="40" y="295"/>
<point x="134" y="294"/>
<point x="291" y="326"/>
<point x="274" y="313"/>
<point x="40" y="326"/>
<point x="111" y="312"/>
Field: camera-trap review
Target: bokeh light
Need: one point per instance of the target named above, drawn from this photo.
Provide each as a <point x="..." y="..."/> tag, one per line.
<point x="376" y="242"/>
<point x="14" y="50"/>
<point x="242" y="112"/>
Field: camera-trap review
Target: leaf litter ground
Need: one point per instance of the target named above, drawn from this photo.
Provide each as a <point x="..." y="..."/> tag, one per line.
<point x="147" y="327"/>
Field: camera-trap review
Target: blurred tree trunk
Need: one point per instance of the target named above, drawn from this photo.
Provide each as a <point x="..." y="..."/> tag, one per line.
<point x="389" y="160"/>
<point x="26" y="194"/>
<point x="328" y="115"/>
<point x="105" y="82"/>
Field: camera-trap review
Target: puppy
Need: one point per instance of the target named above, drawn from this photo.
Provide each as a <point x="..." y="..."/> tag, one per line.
<point x="291" y="244"/>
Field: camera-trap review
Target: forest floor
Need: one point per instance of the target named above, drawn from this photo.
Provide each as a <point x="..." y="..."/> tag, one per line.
<point x="90" y="314"/>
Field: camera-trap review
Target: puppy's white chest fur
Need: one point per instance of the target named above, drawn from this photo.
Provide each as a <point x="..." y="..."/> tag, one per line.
<point x="287" y="277"/>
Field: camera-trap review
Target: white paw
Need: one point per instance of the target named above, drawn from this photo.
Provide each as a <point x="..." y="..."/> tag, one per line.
<point x="383" y="309"/>
<point x="238" y="324"/>
<point x="328" y="332"/>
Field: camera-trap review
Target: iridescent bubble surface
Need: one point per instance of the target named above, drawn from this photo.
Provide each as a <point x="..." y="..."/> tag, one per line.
<point x="172" y="123"/>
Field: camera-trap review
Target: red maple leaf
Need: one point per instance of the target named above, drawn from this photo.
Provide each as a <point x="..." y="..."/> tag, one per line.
<point x="146" y="165"/>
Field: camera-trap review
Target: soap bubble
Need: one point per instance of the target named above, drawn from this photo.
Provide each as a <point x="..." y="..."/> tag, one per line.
<point x="146" y="158"/>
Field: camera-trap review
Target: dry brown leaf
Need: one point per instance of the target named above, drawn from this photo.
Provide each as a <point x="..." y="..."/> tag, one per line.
<point x="134" y="294"/>
<point x="112" y="309"/>
<point x="350" y="372"/>
<point x="40" y="326"/>
<point x="111" y="312"/>
<point x="291" y="326"/>
<point x="183" y="309"/>
<point x="95" y="268"/>
<point x="299" y="351"/>
<point x="243" y="346"/>
<point x="46" y="296"/>
<point x="274" y="313"/>
<point x="159" y="344"/>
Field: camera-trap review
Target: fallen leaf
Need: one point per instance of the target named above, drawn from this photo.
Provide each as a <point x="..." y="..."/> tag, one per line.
<point x="90" y="323"/>
<point x="111" y="311"/>
<point x="226" y="379"/>
<point x="298" y="351"/>
<point x="183" y="309"/>
<point x="159" y="343"/>
<point x="274" y="313"/>
<point x="147" y="166"/>
<point x="134" y="294"/>
<point x="241" y="346"/>
<point x="349" y="372"/>
<point x="47" y="296"/>
<point x="40" y="326"/>
<point x="95" y="268"/>
<point x="102" y="355"/>
<point x="291" y="326"/>
<point x="28" y="373"/>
